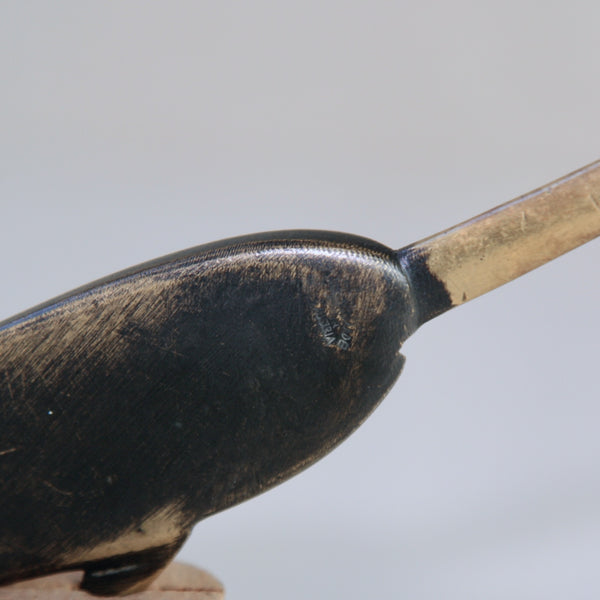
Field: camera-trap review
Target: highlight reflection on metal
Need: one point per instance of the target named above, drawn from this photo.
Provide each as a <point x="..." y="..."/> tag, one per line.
<point x="135" y="406"/>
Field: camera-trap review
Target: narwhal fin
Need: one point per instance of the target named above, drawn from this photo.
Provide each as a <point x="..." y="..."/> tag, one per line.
<point x="128" y="573"/>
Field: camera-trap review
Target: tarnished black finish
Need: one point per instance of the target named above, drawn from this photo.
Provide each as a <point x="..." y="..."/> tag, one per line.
<point x="431" y="296"/>
<point x="136" y="406"/>
<point x="140" y="404"/>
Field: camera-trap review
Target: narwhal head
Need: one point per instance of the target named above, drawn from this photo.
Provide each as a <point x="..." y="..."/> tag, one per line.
<point x="286" y="344"/>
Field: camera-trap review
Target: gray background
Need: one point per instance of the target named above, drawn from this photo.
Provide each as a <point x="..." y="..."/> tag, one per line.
<point x="133" y="129"/>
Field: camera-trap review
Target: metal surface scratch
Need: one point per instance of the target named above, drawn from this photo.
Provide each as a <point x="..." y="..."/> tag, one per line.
<point x="57" y="490"/>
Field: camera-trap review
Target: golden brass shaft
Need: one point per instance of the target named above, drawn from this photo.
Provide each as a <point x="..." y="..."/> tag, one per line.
<point x="498" y="246"/>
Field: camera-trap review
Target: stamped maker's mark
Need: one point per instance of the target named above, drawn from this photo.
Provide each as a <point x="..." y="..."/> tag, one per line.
<point x="335" y="332"/>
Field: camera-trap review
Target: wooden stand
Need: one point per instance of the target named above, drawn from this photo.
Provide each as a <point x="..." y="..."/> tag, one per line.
<point x="176" y="582"/>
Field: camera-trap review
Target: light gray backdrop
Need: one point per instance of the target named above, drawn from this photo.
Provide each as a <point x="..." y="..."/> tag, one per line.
<point x="133" y="129"/>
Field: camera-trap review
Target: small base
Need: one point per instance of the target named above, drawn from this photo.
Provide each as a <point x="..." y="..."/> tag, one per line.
<point x="176" y="582"/>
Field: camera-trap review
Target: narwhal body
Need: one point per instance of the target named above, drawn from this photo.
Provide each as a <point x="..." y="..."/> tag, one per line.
<point x="140" y="404"/>
<point x="134" y="407"/>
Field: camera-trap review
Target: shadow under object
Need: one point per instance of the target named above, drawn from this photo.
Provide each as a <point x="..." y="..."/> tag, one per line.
<point x="137" y="405"/>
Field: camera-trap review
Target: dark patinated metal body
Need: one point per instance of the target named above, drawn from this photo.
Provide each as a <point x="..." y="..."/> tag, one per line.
<point x="140" y="404"/>
<point x="136" y="406"/>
